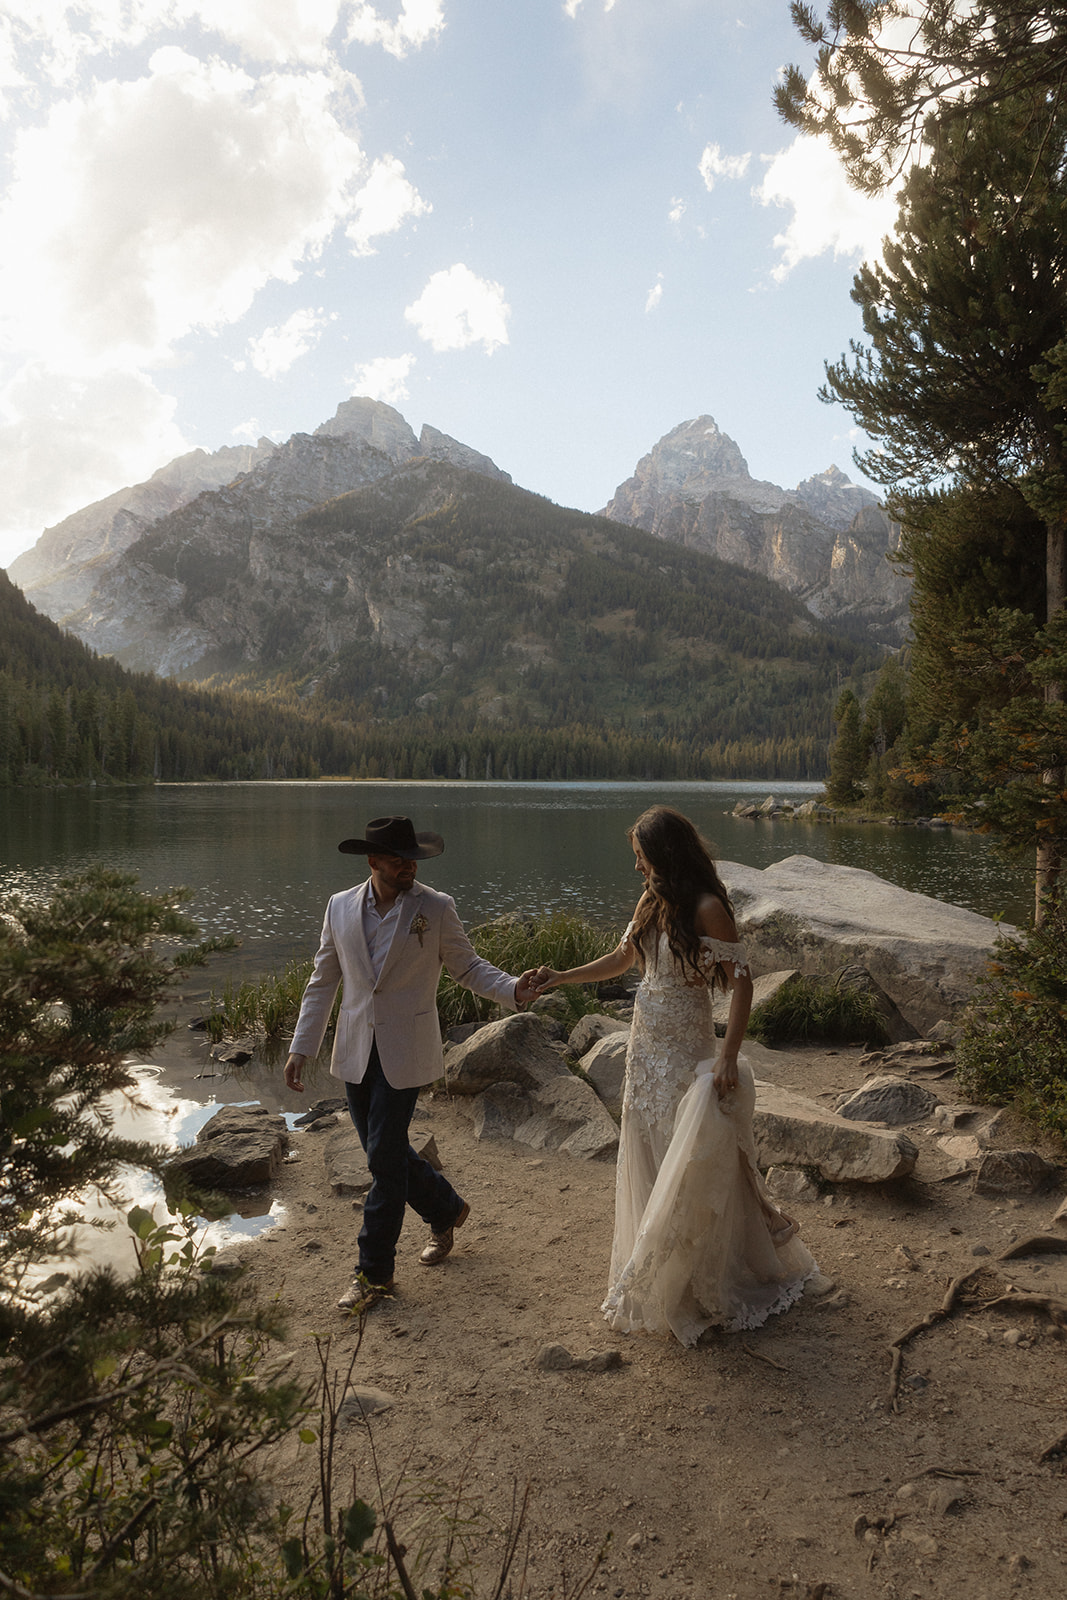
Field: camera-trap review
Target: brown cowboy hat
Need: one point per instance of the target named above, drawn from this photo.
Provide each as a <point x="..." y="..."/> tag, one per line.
<point x="394" y="836"/>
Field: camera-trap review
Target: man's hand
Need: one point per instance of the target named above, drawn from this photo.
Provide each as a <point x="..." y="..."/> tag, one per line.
<point x="294" y="1073"/>
<point x="527" y="988"/>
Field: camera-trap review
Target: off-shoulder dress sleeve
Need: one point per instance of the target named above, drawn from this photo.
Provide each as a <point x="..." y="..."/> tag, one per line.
<point x="721" y="952"/>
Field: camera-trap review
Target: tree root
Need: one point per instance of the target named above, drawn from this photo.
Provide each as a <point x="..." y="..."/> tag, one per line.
<point x="1055" y="1309"/>
<point x="945" y="1309"/>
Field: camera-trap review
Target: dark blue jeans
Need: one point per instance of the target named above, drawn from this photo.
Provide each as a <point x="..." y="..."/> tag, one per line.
<point x="382" y="1116"/>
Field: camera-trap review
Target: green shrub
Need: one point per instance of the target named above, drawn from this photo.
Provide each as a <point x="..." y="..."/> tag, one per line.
<point x="815" y="1011"/>
<point x="515" y="944"/>
<point x="1013" y="1050"/>
<point x="269" y="1006"/>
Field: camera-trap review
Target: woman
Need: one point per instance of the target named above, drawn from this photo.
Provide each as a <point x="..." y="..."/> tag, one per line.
<point x="697" y="1240"/>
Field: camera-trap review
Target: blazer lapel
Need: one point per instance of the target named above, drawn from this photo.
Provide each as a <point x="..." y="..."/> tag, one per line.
<point x="358" y="942"/>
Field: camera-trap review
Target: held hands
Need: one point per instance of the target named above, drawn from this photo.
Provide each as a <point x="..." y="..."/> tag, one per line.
<point x="526" y="990"/>
<point x="533" y="984"/>
<point x="294" y="1073"/>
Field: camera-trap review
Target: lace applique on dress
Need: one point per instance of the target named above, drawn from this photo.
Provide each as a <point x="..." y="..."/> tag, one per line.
<point x="672" y="1027"/>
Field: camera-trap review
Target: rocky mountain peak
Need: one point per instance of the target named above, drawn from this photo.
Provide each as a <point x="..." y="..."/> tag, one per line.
<point x="825" y="541"/>
<point x="376" y="423"/>
<point x="695" y="460"/>
<point x="833" y="497"/>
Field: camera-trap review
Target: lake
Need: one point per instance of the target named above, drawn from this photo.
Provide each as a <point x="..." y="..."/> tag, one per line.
<point x="261" y="860"/>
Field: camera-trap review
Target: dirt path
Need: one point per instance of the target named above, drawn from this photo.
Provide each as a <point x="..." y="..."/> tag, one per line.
<point x="744" y="1467"/>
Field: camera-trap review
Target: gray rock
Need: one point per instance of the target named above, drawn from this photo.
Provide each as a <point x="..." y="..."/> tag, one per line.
<point x="241" y="1147"/>
<point x="856" y="977"/>
<point x="588" y="1029"/>
<point x="1059" y="1216"/>
<point x="1007" y="1172"/>
<point x="561" y="1113"/>
<point x="791" y="1184"/>
<point x="513" y="1050"/>
<point x="554" y="1358"/>
<point x="321" y="1108"/>
<point x="895" y="1101"/>
<point x="794" y="1132"/>
<point x="363" y="1401"/>
<point x="960" y="1147"/>
<point x="605" y="1067"/>
<point x="347" y="1172"/>
<point x="764" y="988"/>
<point x="926" y="954"/>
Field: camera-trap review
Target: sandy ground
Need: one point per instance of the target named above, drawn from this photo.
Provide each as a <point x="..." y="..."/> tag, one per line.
<point x="756" y="1464"/>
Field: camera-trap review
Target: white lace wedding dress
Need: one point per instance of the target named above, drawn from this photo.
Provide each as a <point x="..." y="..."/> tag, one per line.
<point x="698" y="1242"/>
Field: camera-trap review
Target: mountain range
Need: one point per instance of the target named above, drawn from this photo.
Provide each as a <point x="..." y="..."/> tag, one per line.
<point x="102" y="574"/>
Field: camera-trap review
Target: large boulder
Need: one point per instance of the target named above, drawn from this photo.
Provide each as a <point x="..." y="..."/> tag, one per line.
<point x="588" y="1029"/>
<point x="516" y="1049"/>
<point x="562" y="1113"/>
<point x="817" y="917"/>
<point x="241" y="1147"/>
<point x="794" y="1132"/>
<point x="604" y="1064"/>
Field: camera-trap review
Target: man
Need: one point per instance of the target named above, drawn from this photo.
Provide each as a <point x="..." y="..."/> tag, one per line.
<point x="385" y="942"/>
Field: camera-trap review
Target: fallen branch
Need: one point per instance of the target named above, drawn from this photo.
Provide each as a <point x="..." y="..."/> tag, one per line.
<point x="758" y="1356"/>
<point x="945" y="1309"/>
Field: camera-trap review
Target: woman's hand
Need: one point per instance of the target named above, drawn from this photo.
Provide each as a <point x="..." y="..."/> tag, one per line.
<point x="546" y="978"/>
<point x="724" y="1075"/>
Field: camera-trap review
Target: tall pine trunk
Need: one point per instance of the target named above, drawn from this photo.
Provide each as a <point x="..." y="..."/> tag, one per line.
<point x="1049" y="852"/>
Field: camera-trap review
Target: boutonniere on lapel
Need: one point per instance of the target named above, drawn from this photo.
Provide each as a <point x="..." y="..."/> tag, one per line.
<point x="420" y="926"/>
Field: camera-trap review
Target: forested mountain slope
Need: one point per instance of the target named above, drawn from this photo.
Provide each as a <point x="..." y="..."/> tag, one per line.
<point x="66" y="715"/>
<point x="440" y="594"/>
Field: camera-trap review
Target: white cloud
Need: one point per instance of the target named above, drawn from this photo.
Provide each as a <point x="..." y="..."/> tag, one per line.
<point x="275" y="350"/>
<point x="457" y="309"/>
<point x="827" y="213"/>
<point x="271" y="30"/>
<point x="677" y="210"/>
<point x="55" y="39"/>
<point x="65" y="443"/>
<point x="713" y="164"/>
<point x="384" y="378"/>
<point x="655" y="294"/>
<point x="143" y="210"/>
<point x="419" y="21"/>
<point x="382" y="204"/>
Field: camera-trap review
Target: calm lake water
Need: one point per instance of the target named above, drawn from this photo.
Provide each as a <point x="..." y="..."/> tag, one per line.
<point x="262" y="859"/>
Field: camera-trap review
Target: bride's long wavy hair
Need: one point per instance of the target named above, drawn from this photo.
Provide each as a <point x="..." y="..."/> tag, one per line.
<point x="682" y="871"/>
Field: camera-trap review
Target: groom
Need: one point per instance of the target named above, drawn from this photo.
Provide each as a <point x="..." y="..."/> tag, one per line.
<point x="385" y="943"/>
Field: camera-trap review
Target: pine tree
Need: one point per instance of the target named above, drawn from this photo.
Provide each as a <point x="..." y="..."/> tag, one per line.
<point x="963" y="379"/>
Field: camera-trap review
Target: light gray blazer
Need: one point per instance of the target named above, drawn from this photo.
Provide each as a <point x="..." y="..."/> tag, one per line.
<point x="400" y="1010"/>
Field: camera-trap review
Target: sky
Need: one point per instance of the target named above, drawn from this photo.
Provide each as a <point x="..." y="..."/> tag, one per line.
<point x="553" y="229"/>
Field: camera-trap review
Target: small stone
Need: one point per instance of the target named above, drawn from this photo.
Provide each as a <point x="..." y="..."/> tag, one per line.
<point x="1013" y="1337"/>
<point x="1011" y="1172"/>
<point x="554" y="1358"/>
<point x="1018" y="1563"/>
<point x="791" y="1184"/>
<point x="906" y="1258"/>
<point x="906" y="1491"/>
<point x="601" y="1361"/>
<point x="921" y="1541"/>
<point x="635" y="1541"/>
<point x="916" y="1381"/>
<point x="365" y="1402"/>
<point x="946" y="1497"/>
<point x="979" y="1249"/>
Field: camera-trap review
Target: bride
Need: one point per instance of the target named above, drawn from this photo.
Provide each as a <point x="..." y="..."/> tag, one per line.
<point x="698" y="1242"/>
